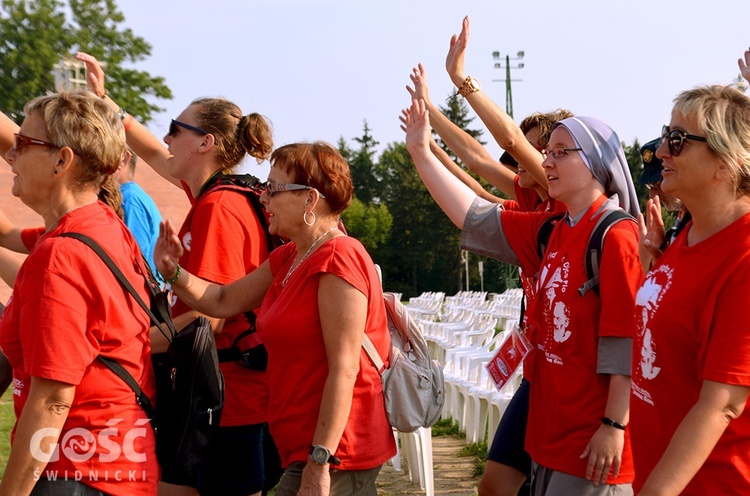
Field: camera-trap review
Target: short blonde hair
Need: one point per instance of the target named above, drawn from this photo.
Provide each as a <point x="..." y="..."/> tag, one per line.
<point x="84" y="123"/>
<point x="723" y="116"/>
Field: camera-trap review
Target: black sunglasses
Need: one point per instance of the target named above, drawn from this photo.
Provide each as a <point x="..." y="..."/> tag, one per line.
<point x="174" y="124"/>
<point x="676" y="139"/>
<point x="21" y="141"/>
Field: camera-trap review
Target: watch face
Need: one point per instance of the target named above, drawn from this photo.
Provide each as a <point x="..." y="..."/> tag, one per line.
<point x="320" y="455"/>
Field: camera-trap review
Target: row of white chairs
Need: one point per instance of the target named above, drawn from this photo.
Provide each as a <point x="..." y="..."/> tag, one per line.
<point x="464" y="336"/>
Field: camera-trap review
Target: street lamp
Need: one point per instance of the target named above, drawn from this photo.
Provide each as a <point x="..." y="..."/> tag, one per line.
<point x="508" y="66"/>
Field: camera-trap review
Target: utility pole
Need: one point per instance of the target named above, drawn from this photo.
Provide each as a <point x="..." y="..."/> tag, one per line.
<point x="517" y="64"/>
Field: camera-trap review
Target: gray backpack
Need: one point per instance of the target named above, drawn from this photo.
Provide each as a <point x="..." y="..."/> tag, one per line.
<point x="413" y="383"/>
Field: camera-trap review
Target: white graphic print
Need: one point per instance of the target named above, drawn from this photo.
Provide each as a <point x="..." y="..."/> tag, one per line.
<point x="554" y="284"/>
<point x="561" y="319"/>
<point x="648" y="299"/>
<point x="187" y="240"/>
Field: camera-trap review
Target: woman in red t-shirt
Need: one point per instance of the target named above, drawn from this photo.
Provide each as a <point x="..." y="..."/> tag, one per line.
<point x="691" y="354"/>
<point x="579" y="403"/>
<point x="78" y="429"/>
<point x="320" y="292"/>
<point x="224" y="239"/>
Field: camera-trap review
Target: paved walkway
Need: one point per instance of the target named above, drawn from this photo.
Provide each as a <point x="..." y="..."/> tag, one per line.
<point x="452" y="474"/>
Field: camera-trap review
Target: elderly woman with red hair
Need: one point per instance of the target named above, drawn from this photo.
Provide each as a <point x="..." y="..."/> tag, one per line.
<point x="320" y="294"/>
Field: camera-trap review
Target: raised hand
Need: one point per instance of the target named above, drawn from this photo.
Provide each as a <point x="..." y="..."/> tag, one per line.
<point x="652" y="234"/>
<point x="419" y="80"/>
<point x="745" y="65"/>
<point x="416" y="123"/>
<point x="454" y="62"/>
<point x="94" y="74"/>
<point x="167" y="250"/>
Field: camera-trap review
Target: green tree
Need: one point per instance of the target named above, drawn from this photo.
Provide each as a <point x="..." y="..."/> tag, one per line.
<point x="363" y="168"/>
<point x="635" y="164"/>
<point x="422" y="253"/>
<point x="370" y="224"/>
<point x="33" y="37"/>
<point x="98" y="32"/>
<point x="36" y="35"/>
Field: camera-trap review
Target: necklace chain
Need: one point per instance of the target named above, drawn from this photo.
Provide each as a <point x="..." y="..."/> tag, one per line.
<point x="307" y="253"/>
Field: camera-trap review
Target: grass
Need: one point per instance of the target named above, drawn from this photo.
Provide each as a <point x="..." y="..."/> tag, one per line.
<point x="7" y="419"/>
<point x="479" y="452"/>
<point x="447" y="427"/>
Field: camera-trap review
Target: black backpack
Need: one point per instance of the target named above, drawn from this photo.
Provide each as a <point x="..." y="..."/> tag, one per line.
<point x="593" y="249"/>
<point x="246" y="348"/>
<point x="189" y="384"/>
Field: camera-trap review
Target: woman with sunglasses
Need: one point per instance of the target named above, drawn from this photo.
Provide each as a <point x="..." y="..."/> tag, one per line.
<point x="579" y="403"/>
<point x="320" y="294"/>
<point x="78" y="428"/>
<point x="223" y="240"/>
<point x="691" y="373"/>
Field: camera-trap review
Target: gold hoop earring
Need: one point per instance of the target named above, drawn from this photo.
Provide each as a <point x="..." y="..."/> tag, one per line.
<point x="304" y="218"/>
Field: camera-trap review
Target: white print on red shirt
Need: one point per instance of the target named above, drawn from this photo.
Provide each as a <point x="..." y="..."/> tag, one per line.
<point x="187" y="240"/>
<point x="554" y="284"/>
<point x="647" y="301"/>
<point x="17" y="386"/>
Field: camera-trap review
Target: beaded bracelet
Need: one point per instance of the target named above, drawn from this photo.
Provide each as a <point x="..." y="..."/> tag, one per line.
<point x="176" y="276"/>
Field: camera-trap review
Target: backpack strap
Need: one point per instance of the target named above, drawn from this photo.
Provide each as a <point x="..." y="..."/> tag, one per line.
<point x="596" y="246"/>
<point x="251" y="188"/>
<point x="127" y="378"/>
<point x="545" y="231"/>
<point x="373" y="354"/>
<point x="140" y="397"/>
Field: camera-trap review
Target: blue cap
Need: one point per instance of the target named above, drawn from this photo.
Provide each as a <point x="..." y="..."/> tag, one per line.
<point x="651" y="163"/>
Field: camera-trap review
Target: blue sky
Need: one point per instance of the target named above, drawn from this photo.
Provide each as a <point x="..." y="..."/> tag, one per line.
<point x="319" y="68"/>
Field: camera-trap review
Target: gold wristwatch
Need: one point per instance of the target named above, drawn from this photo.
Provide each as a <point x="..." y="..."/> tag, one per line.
<point x="470" y="85"/>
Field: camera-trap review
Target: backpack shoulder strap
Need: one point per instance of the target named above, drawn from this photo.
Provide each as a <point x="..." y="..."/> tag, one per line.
<point x="596" y="246"/>
<point x="251" y="188"/>
<point x="545" y="231"/>
<point x="140" y="397"/>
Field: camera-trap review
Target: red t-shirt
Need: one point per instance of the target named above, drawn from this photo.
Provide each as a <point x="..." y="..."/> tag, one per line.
<point x="530" y="203"/>
<point x="223" y="241"/>
<point x="289" y="323"/>
<point x="568" y="397"/>
<point x="691" y="318"/>
<point x="66" y="309"/>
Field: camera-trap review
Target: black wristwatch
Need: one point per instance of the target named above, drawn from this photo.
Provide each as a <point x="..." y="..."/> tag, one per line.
<point x="322" y="455"/>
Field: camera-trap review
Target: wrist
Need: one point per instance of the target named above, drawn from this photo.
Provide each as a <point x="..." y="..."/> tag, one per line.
<point x="174" y="278"/>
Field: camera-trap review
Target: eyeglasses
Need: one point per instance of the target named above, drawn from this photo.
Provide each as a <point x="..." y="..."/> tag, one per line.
<point x="676" y="139"/>
<point x="272" y="187"/>
<point x="652" y="186"/>
<point x="21" y="141"/>
<point x="559" y="152"/>
<point x="174" y="124"/>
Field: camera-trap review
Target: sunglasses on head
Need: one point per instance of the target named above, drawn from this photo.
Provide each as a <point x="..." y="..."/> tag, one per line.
<point x="271" y="187"/>
<point x="20" y="141"/>
<point x="559" y="152"/>
<point x="675" y="139"/>
<point x="175" y="124"/>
